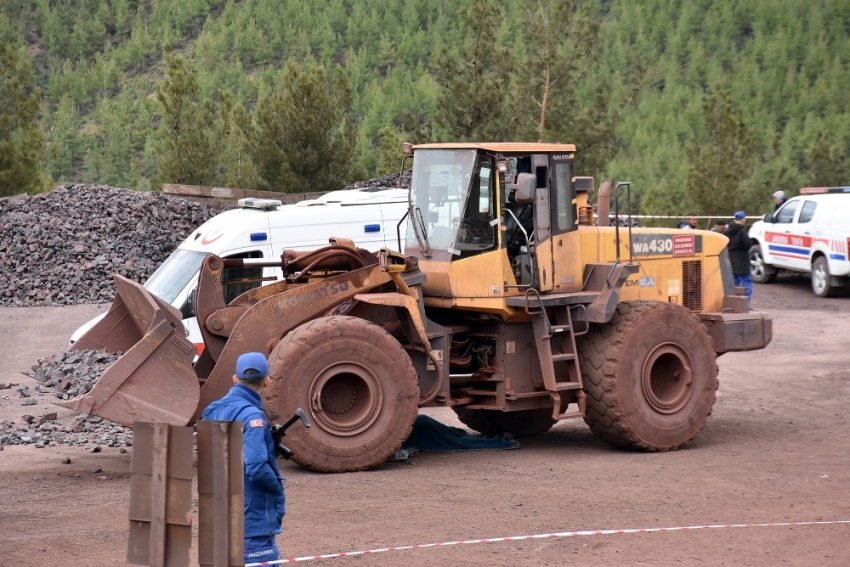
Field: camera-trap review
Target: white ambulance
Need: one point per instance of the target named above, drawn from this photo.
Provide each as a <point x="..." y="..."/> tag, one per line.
<point x="264" y="228"/>
<point x="809" y="233"/>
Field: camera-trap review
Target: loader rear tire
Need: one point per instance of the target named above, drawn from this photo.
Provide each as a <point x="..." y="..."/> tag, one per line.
<point x="493" y="423"/>
<point x="650" y="375"/>
<point x="356" y="383"/>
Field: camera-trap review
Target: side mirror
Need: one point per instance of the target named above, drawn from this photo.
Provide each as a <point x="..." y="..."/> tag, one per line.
<point x="768" y="218"/>
<point x="524" y="188"/>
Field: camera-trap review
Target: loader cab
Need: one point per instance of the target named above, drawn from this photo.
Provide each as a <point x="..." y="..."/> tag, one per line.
<point x="494" y="207"/>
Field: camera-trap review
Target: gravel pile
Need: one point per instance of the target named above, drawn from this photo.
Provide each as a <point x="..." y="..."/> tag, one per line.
<point x="391" y="180"/>
<point x="65" y="375"/>
<point x="45" y="430"/>
<point x="72" y="373"/>
<point x="62" y="247"/>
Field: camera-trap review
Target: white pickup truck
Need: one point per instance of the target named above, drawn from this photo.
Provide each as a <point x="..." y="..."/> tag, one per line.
<point x="263" y="228"/>
<point x="809" y="233"/>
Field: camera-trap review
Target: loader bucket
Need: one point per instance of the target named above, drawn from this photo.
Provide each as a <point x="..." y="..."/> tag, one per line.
<point x="153" y="380"/>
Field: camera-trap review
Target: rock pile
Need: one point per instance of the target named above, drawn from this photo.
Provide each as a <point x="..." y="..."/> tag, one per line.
<point x="72" y="373"/>
<point x="65" y="375"/>
<point x="391" y="180"/>
<point x="45" y="430"/>
<point x="62" y="247"/>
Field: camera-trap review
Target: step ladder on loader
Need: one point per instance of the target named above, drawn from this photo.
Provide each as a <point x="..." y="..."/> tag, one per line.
<point x="556" y="351"/>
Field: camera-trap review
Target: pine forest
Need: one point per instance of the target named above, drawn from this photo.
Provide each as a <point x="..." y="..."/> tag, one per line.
<point x="706" y="106"/>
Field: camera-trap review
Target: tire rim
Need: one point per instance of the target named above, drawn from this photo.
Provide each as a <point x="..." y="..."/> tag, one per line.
<point x="667" y="378"/>
<point x="346" y="399"/>
<point x="756" y="265"/>
<point x="819" y="278"/>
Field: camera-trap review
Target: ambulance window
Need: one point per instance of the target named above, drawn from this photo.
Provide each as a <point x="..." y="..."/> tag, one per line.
<point x="808" y="212"/>
<point x="786" y="214"/>
<point x="236" y="281"/>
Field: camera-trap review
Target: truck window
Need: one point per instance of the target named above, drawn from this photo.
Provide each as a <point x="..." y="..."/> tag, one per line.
<point x="785" y="215"/>
<point x="236" y="281"/>
<point x="808" y="212"/>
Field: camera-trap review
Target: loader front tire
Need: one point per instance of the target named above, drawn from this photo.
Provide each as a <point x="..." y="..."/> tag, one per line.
<point x="357" y="385"/>
<point x="650" y="375"/>
<point x="493" y="423"/>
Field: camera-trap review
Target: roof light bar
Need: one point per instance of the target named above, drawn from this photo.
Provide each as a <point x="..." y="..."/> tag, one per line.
<point x="261" y="204"/>
<point x="823" y="190"/>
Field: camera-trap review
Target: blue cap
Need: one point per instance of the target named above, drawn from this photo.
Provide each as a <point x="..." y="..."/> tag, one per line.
<point x="252" y="366"/>
<point x="740" y="215"/>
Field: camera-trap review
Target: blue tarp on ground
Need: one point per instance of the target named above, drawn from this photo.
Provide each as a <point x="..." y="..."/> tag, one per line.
<point x="430" y="435"/>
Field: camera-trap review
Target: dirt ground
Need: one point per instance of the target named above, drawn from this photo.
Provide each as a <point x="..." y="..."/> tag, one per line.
<point x="776" y="449"/>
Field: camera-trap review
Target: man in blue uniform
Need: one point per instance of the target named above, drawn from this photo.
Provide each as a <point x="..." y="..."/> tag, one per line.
<point x="264" y="497"/>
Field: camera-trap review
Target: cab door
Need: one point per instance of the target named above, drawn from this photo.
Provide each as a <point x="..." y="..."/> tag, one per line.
<point x="567" y="267"/>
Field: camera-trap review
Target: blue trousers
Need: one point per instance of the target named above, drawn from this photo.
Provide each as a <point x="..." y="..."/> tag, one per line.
<point x="747" y="282"/>
<point x="261" y="548"/>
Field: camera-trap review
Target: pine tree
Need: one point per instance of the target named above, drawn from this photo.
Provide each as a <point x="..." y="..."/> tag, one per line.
<point x="302" y="138"/>
<point x="561" y="97"/>
<point x="826" y="162"/>
<point x="722" y="166"/>
<point x="21" y="136"/>
<point x="561" y="46"/>
<point x="475" y="81"/>
<point x="65" y="149"/>
<point x="389" y="146"/>
<point x="187" y="151"/>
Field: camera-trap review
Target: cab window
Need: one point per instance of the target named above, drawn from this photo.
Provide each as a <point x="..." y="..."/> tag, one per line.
<point x="476" y="231"/>
<point x="236" y="281"/>
<point x="564" y="198"/>
<point x="808" y="212"/>
<point x="785" y="215"/>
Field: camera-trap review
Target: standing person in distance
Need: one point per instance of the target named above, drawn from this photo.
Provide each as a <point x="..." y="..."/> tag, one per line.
<point x="739" y="253"/>
<point x="779" y="198"/>
<point x="689" y="223"/>
<point x="264" y="497"/>
<point x="720" y="226"/>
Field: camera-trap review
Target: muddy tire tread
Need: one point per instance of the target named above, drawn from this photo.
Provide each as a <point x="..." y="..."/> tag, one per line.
<point x="598" y="350"/>
<point x="301" y="339"/>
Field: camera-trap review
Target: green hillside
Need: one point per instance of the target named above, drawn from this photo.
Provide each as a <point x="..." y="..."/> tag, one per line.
<point x="736" y="99"/>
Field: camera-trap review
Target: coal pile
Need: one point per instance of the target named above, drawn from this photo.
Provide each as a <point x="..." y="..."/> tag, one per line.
<point x="63" y="247"/>
<point x="392" y="180"/>
<point x="72" y="373"/>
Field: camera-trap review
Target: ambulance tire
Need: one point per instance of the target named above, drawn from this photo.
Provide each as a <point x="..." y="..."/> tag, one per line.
<point x="650" y="375"/>
<point x="761" y="272"/>
<point x="357" y="385"/>
<point x="494" y="423"/>
<point x="821" y="277"/>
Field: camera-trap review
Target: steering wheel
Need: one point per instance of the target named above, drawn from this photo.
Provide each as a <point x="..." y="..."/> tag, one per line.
<point x="475" y="228"/>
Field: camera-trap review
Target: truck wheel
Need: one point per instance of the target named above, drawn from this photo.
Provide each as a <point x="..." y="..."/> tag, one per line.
<point x="758" y="270"/>
<point x="356" y="383"/>
<point x="493" y="423"/>
<point x="820" y="278"/>
<point x="650" y="376"/>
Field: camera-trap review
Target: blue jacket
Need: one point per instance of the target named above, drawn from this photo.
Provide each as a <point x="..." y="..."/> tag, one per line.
<point x="264" y="498"/>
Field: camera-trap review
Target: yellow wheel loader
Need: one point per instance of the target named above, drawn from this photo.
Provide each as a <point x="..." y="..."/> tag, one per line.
<point x="510" y="305"/>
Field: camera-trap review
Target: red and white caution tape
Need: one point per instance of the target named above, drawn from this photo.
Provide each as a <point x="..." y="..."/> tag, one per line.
<point x="680" y="217"/>
<point x="544" y="536"/>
